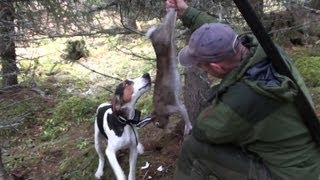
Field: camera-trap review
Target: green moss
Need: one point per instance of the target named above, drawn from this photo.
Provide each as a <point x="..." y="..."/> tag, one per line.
<point x="80" y="166"/>
<point x="309" y="67"/>
<point x="75" y="109"/>
<point x="79" y="109"/>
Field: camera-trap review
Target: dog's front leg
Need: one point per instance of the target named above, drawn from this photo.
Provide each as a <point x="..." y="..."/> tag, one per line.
<point x="132" y="162"/>
<point x="111" y="154"/>
<point x="98" y="145"/>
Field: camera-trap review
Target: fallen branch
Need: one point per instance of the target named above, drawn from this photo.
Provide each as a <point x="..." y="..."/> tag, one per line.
<point x="17" y="102"/>
<point x="317" y="11"/>
<point x="131" y="53"/>
<point x="108" y="76"/>
<point x="16" y="121"/>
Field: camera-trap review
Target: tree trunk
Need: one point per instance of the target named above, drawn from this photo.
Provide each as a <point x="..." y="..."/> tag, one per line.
<point x="196" y="86"/>
<point x="315" y="4"/>
<point x="258" y="7"/>
<point x="7" y="44"/>
<point x="2" y="170"/>
<point x="128" y="17"/>
<point x="195" y="90"/>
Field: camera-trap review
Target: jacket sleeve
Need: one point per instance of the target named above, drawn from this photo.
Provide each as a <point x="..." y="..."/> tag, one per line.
<point x="218" y="124"/>
<point x="194" y="18"/>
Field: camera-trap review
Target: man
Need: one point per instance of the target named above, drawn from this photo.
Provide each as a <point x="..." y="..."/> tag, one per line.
<point x="252" y="130"/>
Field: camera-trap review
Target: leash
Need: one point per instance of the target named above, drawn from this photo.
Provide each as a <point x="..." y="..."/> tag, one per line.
<point x="129" y="122"/>
<point x="136" y="120"/>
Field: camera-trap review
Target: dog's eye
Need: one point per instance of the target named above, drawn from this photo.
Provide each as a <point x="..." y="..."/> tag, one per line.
<point x="127" y="82"/>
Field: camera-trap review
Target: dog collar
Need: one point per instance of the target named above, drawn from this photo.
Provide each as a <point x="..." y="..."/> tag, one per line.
<point x="136" y="117"/>
<point x="134" y="120"/>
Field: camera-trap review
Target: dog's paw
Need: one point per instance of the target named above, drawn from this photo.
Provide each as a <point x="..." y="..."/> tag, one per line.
<point x="140" y="148"/>
<point x="98" y="174"/>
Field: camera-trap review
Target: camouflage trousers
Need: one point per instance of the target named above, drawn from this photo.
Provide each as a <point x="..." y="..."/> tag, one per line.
<point x="201" y="161"/>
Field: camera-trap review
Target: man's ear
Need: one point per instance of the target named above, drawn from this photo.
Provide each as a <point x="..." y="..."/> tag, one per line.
<point x="216" y="67"/>
<point x="116" y="103"/>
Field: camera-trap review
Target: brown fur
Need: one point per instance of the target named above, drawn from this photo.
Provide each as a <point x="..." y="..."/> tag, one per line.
<point x="167" y="88"/>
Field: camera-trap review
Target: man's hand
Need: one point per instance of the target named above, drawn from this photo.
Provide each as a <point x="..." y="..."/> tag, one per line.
<point x="179" y="5"/>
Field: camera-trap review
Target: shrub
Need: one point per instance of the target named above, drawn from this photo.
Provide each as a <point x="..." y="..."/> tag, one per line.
<point x="75" y="50"/>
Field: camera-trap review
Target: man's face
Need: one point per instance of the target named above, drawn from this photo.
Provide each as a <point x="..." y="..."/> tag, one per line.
<point x="214" y="69"/>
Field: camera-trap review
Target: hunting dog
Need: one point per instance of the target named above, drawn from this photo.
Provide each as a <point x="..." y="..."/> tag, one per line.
<point x="167" y="87"/>
<point x="116" y="122"/>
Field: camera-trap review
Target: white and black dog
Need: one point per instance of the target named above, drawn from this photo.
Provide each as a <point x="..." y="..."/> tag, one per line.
<point x="116" y="122"/>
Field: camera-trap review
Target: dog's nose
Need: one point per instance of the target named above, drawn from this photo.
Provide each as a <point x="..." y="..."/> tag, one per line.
<point x="146" y="76"/>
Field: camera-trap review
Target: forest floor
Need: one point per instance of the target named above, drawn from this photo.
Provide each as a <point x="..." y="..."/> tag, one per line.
<point x="28" y="156"/>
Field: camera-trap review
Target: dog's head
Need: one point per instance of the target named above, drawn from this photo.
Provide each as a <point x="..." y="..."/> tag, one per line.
<point x="128" y="92"/>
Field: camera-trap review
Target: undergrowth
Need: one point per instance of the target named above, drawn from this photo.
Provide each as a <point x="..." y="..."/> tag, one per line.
<point x="308" y="63"/>
<point x="75" y="109"/>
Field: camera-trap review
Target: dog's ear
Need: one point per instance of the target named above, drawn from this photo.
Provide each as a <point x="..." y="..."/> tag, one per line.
<point x="116" y="103"/>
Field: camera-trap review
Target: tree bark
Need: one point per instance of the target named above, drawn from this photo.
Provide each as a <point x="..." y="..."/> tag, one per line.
<point x="196" y="86"/>
<point x="3" y="173"/>
<point x="7" y="44"/>
<point x="258" y="7"/>
<point x="315" y="4"/>
<point x="128" y="18"/>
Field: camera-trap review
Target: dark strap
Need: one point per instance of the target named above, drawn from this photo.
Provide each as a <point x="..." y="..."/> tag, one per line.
<point x="122" y="120"/>
<point x="134" y="120"/>
<point x="100" y="114"/>
<point x="145" y="121"/>
<point x="304" y="107"/>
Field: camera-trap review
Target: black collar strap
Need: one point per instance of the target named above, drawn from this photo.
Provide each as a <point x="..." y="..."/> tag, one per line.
<point x="134" y="120"/>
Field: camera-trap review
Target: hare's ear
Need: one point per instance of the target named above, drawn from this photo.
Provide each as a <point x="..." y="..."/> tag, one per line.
<point x="116" y="103"/>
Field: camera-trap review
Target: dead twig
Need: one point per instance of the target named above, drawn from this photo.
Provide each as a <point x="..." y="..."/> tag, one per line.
<point x="131" y="53"/>
<point x="108" y="76"/>
<point x="15" y="121"/>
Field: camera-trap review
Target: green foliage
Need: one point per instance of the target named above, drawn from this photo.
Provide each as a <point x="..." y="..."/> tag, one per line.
<point x="74" y="109"/>
<point x="13" y="109"/>
<point x="51" y="129"/>
<point x="309" y="67"/>
<point x="79" y="109"/>
<point x="145" y="103"/>
<point x="15" y="161"/>
<point x="75" y="50"/>
<point x="81" y="166"/>
<point x="83" y="143"/>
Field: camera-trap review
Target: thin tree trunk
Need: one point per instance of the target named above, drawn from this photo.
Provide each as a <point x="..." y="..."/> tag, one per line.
<point x="2" y="170"/>
<point x="128" y="18"/>
<point x="196" y="87"/>
<point x="258" y="7"/>
<point x="7" y="44"/>
<point x="195" y="90"/>
<point x="315" y="4"/>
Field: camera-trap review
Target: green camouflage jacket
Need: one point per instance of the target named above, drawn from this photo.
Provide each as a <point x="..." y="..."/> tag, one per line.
<point x="259" y="114"/>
